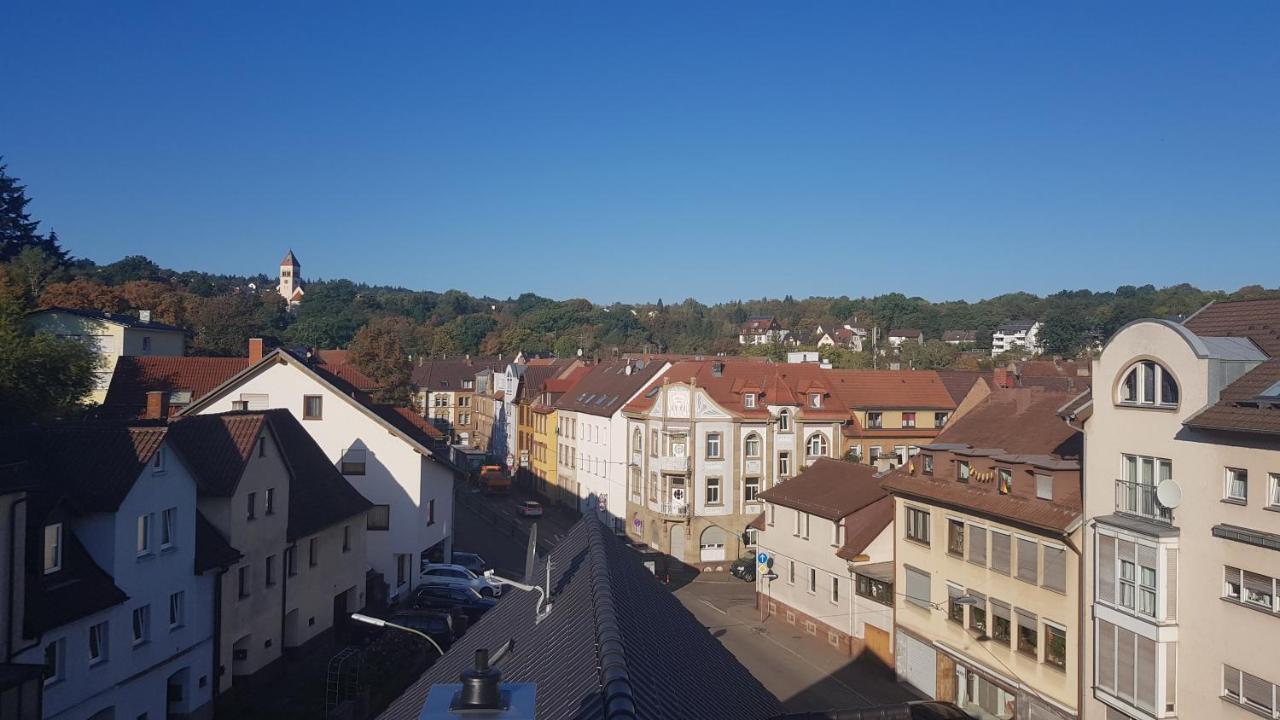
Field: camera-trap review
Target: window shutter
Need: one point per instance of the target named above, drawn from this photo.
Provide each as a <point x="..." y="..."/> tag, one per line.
<point x="1106" y="568"/>
<point x="1055" y="569"/>
<point x="1231" y="681"/>
<point x="1126" y="550"/>
<point x="1027" y="620"/>
<point x="1147" y="556"/>
<point x="1230" y="576"/>
<point x="977" y="545"/>
<point x="1125" y="664"/>
<point x="1107" y="656"/>
<point x="999" y="609"/>
<point x="1027" y="561"/>
<point x="1000" y="552"/>
<point x="1146" y="674"/>
<point x="918" y="587"/>
<point x="1256" y="691"/>
<point x="1171" y="585"/>
<point x="1257" y="583"/>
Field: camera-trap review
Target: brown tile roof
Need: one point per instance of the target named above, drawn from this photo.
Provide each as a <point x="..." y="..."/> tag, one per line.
<point x="337" y="362"/>
<point x="217" y="447"/>
<point x="607" y="387"/>
<point x="864" y="526"/>
<point x="1239" y="408"/>
<point x="1041" y="514"/>
<point x="884" y="389"/>
<point x="1258" y="320"/>
<point x="447" y="375"/>
<point x="94" y="465"/>
<point x="959" y="382"/>
<point x="410" y="423"/>
<point x="533" y="378"/>
<point x="828" y="488"/>
<point x="1021" y="421"/>
<point x="564" y="383"/>
<point x="134" y="377"/>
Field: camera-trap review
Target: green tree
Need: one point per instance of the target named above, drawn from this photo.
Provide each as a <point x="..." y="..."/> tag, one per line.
<point x="17" y="229"/>
<point x="42" y="377"/>
<point x="224" y="324"/>
<point x="378" y="349"/>
<point x="932" y="355"/>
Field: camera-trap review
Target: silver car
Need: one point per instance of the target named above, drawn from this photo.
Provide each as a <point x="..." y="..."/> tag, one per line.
<point x="458" y="576"/>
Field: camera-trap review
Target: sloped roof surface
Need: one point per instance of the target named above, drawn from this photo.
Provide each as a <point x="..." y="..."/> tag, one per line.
<point x="217" y="447"/>
<point x="319" y="496"/>
<point x="907" y="389"/>
<point x="212" y="549"/>
<point x="607" y="387"/>
<point x="93" y="464"/>
<point x="829" y="489"/>
<point x="78" y="589"/>
<point x="447" y="375"/>
<point x="611" y="621"/>
<point x="1239" y="408"/>
<point x="864" y="526"/>
<point x="1021" y="421"/>
<point x="129" y="321"/>
<point x="1258" y="320"/>
<point x="135" y="376"/>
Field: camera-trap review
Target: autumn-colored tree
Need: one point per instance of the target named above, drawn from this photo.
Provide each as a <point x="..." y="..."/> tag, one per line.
<point x="224" y="324"/>
<point x="378" y="349"/>
<point x="83" y="294"/>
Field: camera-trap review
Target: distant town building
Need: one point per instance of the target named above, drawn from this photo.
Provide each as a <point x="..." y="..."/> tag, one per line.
<point x="762" y="330"/>
<point x="906" y="335"/>
<point x="960" y="337"/>
<point x="444" y="390"/>
<point x="1017" y="335"/>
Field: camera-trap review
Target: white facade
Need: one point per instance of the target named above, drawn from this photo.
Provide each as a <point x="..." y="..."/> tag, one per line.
<point x="1005" y="339"/>
<point x="110" y="340"/>
<point x="398" y="472"/>
<point x="136" y="678"/>
<point x="596" y="455"/>
<point x="1178" y="627"/>
<point x="799" y="546"/>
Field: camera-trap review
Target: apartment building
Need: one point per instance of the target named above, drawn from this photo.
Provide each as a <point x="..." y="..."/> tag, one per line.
<point x="112" y="336"/>
<point x="390" y="455"/>
<point x="1182" y="468"/>
<point x="445" y="389"/>
<point x="892" y="412"/>
<point x="592" y="436"/>
<point x="117" y="608"/>
<point x="1023" y="335"/>
<point x="536" y="432"/>
<point x="988" y="530"/>
<point x="828" y="533"/>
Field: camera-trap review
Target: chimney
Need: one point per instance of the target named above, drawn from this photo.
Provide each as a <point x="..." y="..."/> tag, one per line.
<point x="157" y="404"/>
<point x="1001" y="377"/>
<point x="255" y="349"/>
<point x="144" y="316"/>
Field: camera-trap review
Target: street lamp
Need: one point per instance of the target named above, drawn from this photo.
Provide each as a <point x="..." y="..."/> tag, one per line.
<point x="379" y="622"/>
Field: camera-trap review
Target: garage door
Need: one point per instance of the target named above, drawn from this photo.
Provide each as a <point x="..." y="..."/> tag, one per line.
<point x="917" y="664"/>
<point x="711" y="545"/>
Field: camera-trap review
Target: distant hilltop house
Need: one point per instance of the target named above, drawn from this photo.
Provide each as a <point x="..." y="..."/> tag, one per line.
<point x="960" y="337"/>
<point x="851" y="335"/>
<point x="762" y="330"/>
<point x="290" y="287"/>
<point x="898" y="337"/>
<point x="1014" y="334"/>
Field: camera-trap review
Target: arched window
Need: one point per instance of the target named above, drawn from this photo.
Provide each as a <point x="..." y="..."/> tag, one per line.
<point x="1149" y="383"/>
<point x="751" y="446"/>
<point x="784" y="420"/>
<point x="817" y="445"/>
<point x="637" y="441"/>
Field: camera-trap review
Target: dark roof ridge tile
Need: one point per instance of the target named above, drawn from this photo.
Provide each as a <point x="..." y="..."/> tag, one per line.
<point x="615" y="681"/>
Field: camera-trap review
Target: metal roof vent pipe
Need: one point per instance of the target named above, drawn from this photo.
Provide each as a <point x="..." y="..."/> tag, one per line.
<point x="482" y="694"/>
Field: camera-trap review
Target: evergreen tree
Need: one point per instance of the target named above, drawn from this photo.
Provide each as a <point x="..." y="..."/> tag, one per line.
<point x="17" y="229"/>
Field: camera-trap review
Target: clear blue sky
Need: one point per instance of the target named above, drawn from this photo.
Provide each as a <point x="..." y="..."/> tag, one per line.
<point x="630" y="151"/>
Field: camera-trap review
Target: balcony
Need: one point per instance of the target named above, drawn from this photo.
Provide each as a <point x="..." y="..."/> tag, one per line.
<point x="1139" y="500"/>
<point x="675" y="509"/>
<point x="673" y="464"/>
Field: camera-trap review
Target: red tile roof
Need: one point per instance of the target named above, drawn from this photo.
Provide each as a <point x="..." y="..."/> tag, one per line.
<point x="1020" y="421"/>
<point x="217" y="447"/>
<point x="134" y="377"/>
<point x="94" y="465"/>
<point x="1258" y="320"/>
<point x="864" y="526"/>
<point x="884" y="389"/>
<point x="1239" y="408"/>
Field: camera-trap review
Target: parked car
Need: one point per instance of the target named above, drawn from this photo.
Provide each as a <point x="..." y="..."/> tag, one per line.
<point x="455" y="575"/>
<point x="529" y="508"/>
<point x="470" y="561"/>
<point x="461" y="600"/>
<point x="438" y="625"/>
<point x="744" y="568"/>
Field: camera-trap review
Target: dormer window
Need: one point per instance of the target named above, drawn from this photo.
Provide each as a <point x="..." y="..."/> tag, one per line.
<point x="926" y="464"/>
<point x="1149" y="383"/>
<point x="52" y="548"/>
<point x="815" y="400"/>
<point x="749" y="400"/>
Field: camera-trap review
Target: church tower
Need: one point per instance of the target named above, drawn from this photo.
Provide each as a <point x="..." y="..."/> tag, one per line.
<point x="290" y="287"/>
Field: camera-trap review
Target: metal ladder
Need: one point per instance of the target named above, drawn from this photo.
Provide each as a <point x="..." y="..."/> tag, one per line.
<point x="342" y="679"/>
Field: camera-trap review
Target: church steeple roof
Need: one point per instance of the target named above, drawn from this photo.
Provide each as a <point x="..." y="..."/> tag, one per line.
<point x="290" y="260"/>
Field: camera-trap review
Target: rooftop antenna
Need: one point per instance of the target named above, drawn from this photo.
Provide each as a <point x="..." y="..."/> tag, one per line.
<point x="544" y="595"/>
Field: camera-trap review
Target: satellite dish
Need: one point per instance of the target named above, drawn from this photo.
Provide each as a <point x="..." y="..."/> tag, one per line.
<point x="1169" y="494"/>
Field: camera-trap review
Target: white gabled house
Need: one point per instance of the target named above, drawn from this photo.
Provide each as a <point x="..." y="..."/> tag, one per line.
<point x="116" y="608"/>
<point x="381" y="450"/>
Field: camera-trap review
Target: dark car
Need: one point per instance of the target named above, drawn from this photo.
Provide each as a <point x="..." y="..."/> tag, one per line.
<point x="470" y="561"/>
<point x="438" y="625"/>
<point x="744" y="568"/>
<point x="446" y="598"/>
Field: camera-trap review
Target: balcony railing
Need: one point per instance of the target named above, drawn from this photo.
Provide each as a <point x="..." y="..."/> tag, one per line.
<point x="674" y="464"/>
<point x="674" y="509"/>
<point x="1139" y="499"/>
